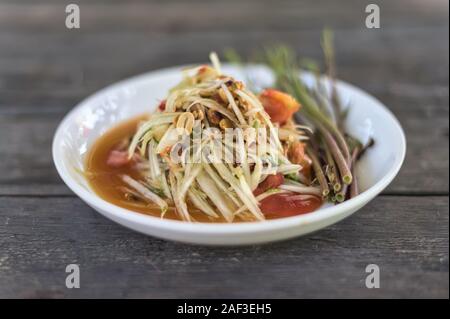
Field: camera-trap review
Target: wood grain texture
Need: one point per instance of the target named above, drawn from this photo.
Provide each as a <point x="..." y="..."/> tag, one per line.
<point x="407" y="237"/>
<point x="45" y="69"/>
<point x="204" y="15"/>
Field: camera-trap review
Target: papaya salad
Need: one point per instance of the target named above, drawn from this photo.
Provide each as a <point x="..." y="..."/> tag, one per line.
<point x="215" y="151"/>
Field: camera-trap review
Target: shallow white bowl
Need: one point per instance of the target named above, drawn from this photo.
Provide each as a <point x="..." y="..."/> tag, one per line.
<point x="92" y="117"/>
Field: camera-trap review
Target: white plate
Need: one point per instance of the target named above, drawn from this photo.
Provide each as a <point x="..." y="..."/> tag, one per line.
<point x="92" y="117"/>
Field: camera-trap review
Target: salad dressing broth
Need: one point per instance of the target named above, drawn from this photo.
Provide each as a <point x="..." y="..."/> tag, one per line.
<point x="106" y="181"/>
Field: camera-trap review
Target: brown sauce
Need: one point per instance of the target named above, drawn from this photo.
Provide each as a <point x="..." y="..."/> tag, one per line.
<point x="106" y="181"/>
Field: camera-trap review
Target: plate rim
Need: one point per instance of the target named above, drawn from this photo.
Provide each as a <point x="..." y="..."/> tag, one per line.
<point x="120" y="213"/>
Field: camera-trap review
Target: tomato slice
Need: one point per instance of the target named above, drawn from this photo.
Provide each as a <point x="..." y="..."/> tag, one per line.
<point x="288" y="204"/>
<point x="271" y="181"/>
<point x="162" y="105"/>
<point x="279" y="105"/>
<point x="297" y="155"/>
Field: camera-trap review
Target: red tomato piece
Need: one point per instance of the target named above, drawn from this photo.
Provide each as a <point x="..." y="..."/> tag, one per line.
<point x="297" y="155"/>
<point x="288" y="204"/>
<point x="162" y="105"/>
<point x="271" y="181"/>
<point x="279" y="105"/>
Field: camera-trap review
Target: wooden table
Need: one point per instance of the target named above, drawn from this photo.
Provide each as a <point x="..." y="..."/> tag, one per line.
<point x="45" y="69"/>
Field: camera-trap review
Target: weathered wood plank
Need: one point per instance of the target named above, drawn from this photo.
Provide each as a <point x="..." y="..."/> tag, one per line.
<point x="182" y="16"/>
<point x="72" y="61"/>
<point x="407" y="237"/>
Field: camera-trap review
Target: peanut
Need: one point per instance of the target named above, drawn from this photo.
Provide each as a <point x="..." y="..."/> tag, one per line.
<point x="186" y="121"/>
<point x="225" y="123"/>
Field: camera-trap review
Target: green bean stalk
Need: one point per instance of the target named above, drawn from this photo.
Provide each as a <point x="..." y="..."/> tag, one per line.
<point x="335" y="152"/>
